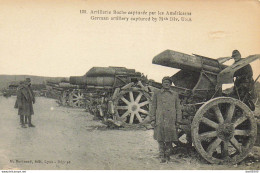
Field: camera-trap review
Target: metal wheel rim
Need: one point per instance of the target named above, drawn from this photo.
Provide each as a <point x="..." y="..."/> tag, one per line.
<point x="228" y="131"/>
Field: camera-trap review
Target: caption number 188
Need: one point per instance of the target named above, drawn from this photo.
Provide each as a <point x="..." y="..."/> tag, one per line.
<point x="83" y="11"/>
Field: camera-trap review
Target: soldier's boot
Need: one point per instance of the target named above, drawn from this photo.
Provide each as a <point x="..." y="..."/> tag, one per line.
<point x="162" y="159"/>
<point x="168" y="151"/>
<point x="30" y="121"/>
<point x="25" y="120"/>
<point x="162" y="152"/>
<point x="22" y="121"/>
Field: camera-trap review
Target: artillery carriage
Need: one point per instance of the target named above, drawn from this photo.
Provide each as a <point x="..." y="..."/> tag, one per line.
<point x="222" y="128"/>
<point x="107" y="92"/>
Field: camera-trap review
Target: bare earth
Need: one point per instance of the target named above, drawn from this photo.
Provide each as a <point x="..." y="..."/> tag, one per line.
<point x="67" y="138"/>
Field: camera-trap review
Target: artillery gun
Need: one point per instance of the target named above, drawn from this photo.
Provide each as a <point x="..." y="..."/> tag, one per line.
<point x="108" y="92"/>
<point x="223" y="129"/>
<point x="11" y="90"/>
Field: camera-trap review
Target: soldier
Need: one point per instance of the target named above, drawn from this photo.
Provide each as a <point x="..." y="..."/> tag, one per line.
<point x="166" y="111"/>
<point x="25" y="99"/>
<point x="244" y="78"/>
<point x="28" y="80"/>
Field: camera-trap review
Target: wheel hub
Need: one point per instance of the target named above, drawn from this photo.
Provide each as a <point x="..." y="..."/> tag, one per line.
<point x="134" y="108"/>
<point x="225" y="131"/>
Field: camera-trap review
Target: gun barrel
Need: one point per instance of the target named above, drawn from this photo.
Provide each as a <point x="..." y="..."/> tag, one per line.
<point x="183" y="61"/>
<point x="77" y="80"/>
<point x="104" y="76"/>
<point x="94" y="81"/>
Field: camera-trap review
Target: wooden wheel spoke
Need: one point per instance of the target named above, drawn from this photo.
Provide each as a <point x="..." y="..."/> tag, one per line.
<point x="125" y="114"/>
<point x="241" y="132"/>
<point x="236" y="144"/>
<point x="206" y="135"/>
<point x="209" y="122"/>
<point x="230" y="112"/>
<point x="239" y="121"/>
<point x="138" y="97"/>
<point x="131" y="95"/>
<point x="212" y="147"/>
<point x="139" y="117"/>
<point x="124" y="100"/>
<point x="122" y="107"/>
<point x="218" y="114"/>
<point x="224" y="149"/>
<point x="143" y="111"/>
<point x="144" y="103"/>
<point x="132" y="118"/>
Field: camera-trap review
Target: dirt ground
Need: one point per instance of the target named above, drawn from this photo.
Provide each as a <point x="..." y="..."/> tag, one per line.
<point x="67" y="138"/>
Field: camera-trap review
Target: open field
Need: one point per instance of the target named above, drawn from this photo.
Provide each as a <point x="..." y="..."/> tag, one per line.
<point x="67" y="138"/>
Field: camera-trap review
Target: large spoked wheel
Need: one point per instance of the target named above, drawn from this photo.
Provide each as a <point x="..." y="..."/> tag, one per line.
<point x="132" y="105"/>
<point x="76" y="99"/>
<point x="224" y="130"/>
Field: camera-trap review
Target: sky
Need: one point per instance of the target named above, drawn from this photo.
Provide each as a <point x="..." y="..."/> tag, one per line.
<point x="51" y="37"/>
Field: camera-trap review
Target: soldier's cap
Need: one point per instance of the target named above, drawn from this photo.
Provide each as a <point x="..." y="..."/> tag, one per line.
<point x="235" y="53"/>
<point x="167" y="78"/>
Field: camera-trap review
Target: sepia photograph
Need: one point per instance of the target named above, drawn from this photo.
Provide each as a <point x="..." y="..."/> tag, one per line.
<point x="130" y="85"/>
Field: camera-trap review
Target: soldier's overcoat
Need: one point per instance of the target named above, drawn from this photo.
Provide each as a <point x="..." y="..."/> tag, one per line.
<point x="166" y="110"/>
<point x="25" y="99"/>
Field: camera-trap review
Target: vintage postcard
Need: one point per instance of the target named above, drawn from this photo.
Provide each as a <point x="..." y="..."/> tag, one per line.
<point x="129" y="85"/>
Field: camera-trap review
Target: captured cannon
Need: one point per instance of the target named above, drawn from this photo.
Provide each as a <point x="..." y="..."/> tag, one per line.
<point x="108" y="92"/>
<point x="221" y="127"/>
<point x="11" y="90"/>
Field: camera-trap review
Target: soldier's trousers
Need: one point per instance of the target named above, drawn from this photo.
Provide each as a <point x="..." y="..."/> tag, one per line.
<point x="165" y="149"/>
<point x="24" y="119"/>
<point x="21" y="119"/>
<point x="29" y="119"/>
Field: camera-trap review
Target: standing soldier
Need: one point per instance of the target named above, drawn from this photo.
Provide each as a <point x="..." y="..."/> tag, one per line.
<point x="25" y="99"/>
<point x="166" y="111"/>
<point x="28" y="80"/>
